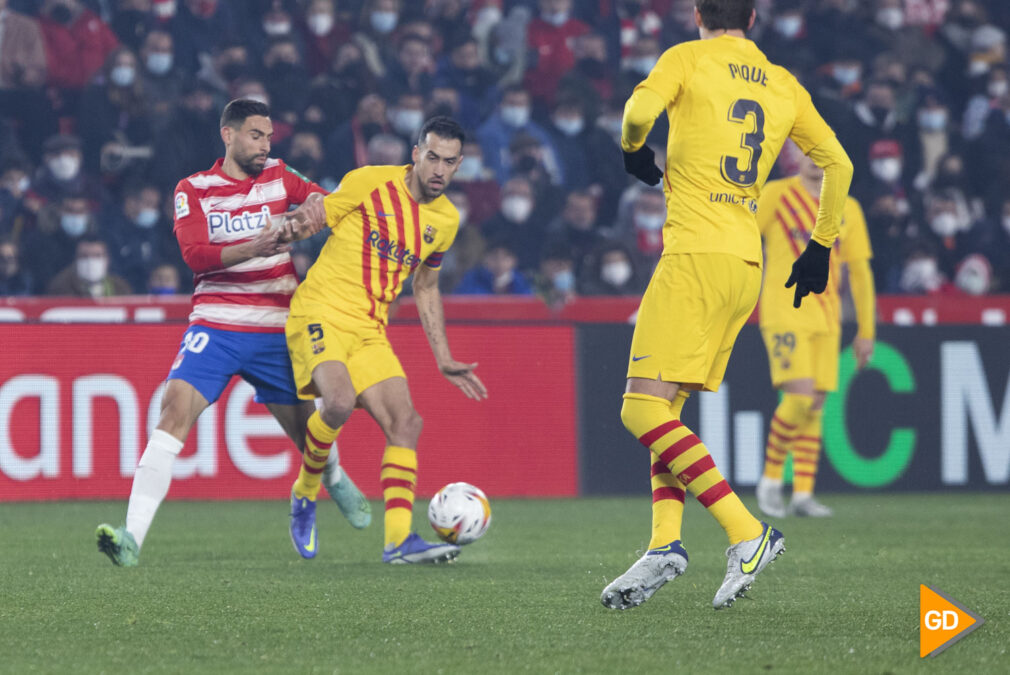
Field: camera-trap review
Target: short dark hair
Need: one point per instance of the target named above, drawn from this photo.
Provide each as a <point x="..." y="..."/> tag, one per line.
<point x="236" y="112"/>
<point x="443" y="127"/>
<point x="725" y="14"/>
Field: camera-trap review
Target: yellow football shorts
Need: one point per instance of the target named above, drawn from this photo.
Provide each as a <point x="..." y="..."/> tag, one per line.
<point x="801" y="355"/>
<point x="362" y="347"/>
<point x="690" y="315"/>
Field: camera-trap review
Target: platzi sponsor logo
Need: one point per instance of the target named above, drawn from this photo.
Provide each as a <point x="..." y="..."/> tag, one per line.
<point x="392" y="250"/>
<point x="247" y="221"/>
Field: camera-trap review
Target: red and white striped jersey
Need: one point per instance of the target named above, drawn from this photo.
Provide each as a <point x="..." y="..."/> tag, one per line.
<point x="213" y="210"/>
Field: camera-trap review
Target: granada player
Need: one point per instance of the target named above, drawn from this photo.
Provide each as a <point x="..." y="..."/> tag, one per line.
<point x="232" y="226"/>
<point x="803" y="344"/>
<point x="730" y="111"/>
<point x="387" y="222"/>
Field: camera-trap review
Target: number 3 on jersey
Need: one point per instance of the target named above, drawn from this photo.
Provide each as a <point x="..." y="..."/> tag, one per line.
<point x="730" y="166"/>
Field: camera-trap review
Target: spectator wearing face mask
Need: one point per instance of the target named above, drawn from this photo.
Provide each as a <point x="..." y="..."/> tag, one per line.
<point x="191" y="140"/>
<point x="787" y="41"/>
<point x="641" y="227"/>
<point x="15" y="280"/>
<point x="165" y="279"/>
<point x="935" y="138"/>
<point x="88" y="276"/>
<point x="885" y="174"/>
<point x="955" y="230"/>
<point x="15" y="179"/>
<point x="323" y="33"/>
<point x="920" y="274"/>
<point x="549" y="35"/>
<point x="510" y="119"/>
<point x="637" y="64"/>
<point x="284" y="77"/>
<point x="974" y="275"/>
<point x="890" y="31"/>
<point x="612" y="271"/>
<point x="983" y="101"/>
<point x="333" y="95"/>
<point x="347" y="146"/>
<point x="77" y="43"/>
<point x="574" y="230"/>
<point x="61" y="172"/>
<point x="413" y="70"/>
<point x="49" y="246"/>
<point x="592" y="78"/>
<point x="406" y="115"/>
<point x="465" y="71"/>
<point x="199" y="26"/>
<point x="114" y="112"/>
<point x="498" y="274"/>
<point x="305" y="155"/>
<point x="555" y="278"/>
<point x="478" y="182"/>
<point x="515" y="223"/>
<point x="137" y="235"/>
<point x="165" y="81"/>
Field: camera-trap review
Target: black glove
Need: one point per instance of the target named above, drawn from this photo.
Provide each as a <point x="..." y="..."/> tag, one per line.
<point x="642" y="165"/>
<point x="810" y="271"/>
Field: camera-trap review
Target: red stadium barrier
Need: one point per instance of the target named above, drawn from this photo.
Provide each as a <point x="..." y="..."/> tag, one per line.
<point x="891" y="309"/>
<point x="77" y="403"/>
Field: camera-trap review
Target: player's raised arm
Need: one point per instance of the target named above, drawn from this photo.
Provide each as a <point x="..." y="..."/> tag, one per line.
<point x="815" y="138"/>
<point x="429" y="308"/>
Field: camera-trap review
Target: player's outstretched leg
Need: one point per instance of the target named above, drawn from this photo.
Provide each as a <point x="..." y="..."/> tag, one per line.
<point x="786" y="424"/>
<point x="398" y="477"/>
<point x="646" y="576"/>
<point x="118" y="544"/>
<point x="745" y="561"/>
<point x="346" y="494"/>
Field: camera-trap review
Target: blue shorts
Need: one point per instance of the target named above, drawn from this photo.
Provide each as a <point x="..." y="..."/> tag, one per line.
<point x="209" y="357"/>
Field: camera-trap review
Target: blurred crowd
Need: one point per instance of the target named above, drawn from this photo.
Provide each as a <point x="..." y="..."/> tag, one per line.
<point x="106" y="104"/>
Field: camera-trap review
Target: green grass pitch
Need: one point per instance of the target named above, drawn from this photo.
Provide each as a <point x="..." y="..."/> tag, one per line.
<point x="221" y="590"/>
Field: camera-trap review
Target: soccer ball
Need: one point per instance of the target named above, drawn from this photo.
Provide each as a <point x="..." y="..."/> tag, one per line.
<point x="459" y="513"/>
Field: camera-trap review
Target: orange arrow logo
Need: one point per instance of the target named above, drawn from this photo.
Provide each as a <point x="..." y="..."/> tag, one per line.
<point x="942" y="621"/>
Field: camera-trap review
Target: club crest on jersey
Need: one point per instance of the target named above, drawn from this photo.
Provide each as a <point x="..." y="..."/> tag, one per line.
<point x="392" y="250"/>
<point x="247" y="221"/>
<point x="429" y="234"/>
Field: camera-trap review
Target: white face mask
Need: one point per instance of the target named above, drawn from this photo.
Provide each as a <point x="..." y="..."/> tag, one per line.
<point x="159" y="63"/>
<point x="74" y="224"/>
<point x="649" y="221"/>
<point x="564" y="281"/>
<point x="516" y="208"/>
<point x="65" y="167"/>
<point x="123" y="76"/>
<point x="463" y="215"/>
<point x="275" y="28"/>
<point x="555" y="18"/>
<point x="891" y="18"/>
<point x="944" y="224"/>
<point x="643" y="65"/>
<point x="933" y="120"/>
<point x="259" y="98"/>
<point x="164" y="10"/>
<point x="998" y="88"/>
<point x="846" y="75"/>
<point x="569" y="126"/>
<point x="972" y="278"/>
<point x="470" y="168"/>
<point x="147" y="218"/>
<point x="383" y="22"/>
<point x="92" y="269"/>
<point x="921" y="275"/>
<point x="887" y="169"/>
<point x="616" y="273"/>
<point x="320" y="23"/>
<point x="515" y="116"/>
<point x="789" y="26"/>
<point x="406" y="122"/>
<point x="23" y="184"/>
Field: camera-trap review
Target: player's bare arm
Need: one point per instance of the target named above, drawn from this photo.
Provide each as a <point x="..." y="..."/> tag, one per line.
<point x="305" y="221"/>
<point x="429" y="308"/>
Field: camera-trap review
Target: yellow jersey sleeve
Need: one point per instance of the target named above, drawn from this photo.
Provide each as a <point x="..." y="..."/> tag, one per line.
<point x="855" y="244"/>
<point x="345" y="198"/>
<point x="809" y="129"/>
<point x="657" y="91"/>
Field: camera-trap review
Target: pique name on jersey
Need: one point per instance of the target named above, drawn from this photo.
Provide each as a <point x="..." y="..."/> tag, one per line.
<point x="749" y="73"/>
<point x="392" y="250"/>
<point x="248" y="221"/>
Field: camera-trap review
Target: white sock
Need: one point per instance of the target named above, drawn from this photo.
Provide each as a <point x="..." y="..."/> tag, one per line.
<point x="802" y="496"/>
<point x="333" y="472"/>
<point x="150" y="482"/>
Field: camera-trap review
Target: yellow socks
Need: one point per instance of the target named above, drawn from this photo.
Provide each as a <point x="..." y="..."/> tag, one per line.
<point x="398" y="478"/>
<point x="806" y="452"/>
<point x="319" y="438"/>
<point x="651" y="419"/>
<point x="790" y="415"/>
<point x="667" y="492"/>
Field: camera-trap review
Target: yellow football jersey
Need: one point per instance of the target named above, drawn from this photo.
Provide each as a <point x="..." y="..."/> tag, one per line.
<point x="730" y="111"/>
<point x="786" y="216"/>
<point x="379" y="237"/>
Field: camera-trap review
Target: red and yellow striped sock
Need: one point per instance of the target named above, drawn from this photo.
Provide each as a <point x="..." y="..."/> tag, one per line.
<point x="806" y="453"/>
<point x="789" y="415"/>
<point x="651" y="420"/>
<point x="398" y="478"/>
<point x="667" y="492"/>
<point x="319" y="439"/>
